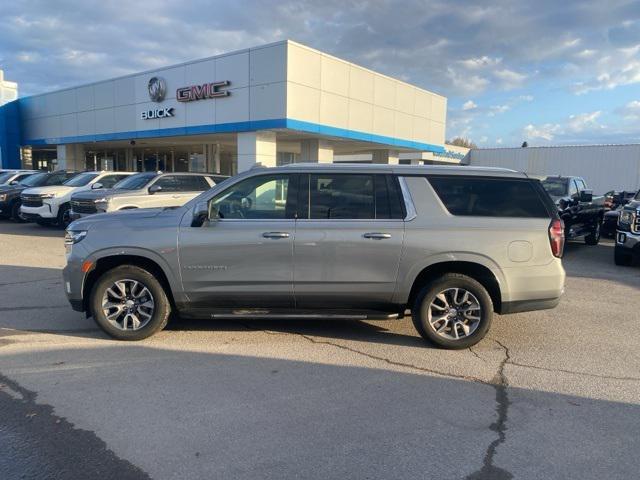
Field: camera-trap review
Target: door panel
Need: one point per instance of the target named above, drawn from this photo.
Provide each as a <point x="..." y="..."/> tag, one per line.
<point x="348" y="242"/>
<point x="229" y="263"/>
<point x="243" y="256"/>
<point x="336" y="266"/>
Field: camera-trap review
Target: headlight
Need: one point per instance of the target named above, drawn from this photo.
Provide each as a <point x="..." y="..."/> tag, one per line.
<point x="48" y="195"/>
<point x="101" y="203"/>
<point x="3" y="197"/>
<point x="626" y="216"/>
<point x="74" y="236"/>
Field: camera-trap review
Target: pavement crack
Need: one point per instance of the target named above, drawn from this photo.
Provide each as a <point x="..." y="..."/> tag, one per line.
<point x="475" y="354"/>
<point x="364" y="354"/>
<point x="489" y="471"/>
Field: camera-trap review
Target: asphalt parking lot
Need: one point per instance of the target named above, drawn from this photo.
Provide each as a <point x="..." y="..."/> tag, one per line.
<point x="551" y="394"/>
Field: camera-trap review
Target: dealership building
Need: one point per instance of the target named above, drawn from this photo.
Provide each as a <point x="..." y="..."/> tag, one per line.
<point x="274" y="104"/>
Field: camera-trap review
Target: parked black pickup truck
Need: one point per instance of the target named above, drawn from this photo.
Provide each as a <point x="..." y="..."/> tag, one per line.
<point x="581" y="212"/>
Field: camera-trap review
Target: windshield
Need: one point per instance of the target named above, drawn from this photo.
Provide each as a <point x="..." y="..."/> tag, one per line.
<point x="556" y="187"/>
<point x="4" y="177"/>
<point x="134" y="182"/>
<point x="81" y="180"/>
<point x="34" y="180"/>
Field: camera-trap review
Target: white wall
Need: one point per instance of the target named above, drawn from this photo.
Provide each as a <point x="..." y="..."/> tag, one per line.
<point x="326" y="90"/>
<point x="604" y="167"/>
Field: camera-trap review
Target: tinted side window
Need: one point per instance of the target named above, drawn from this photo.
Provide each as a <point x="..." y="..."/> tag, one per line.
<point x="21" y="177"/>
<point x="489" y="197"/>
<point x="261" y="197"/>
<point x="109" y="181"/>
<point x="341" y="196"/>
<point x="168" y="183"/>
<point x="192" y="183"/>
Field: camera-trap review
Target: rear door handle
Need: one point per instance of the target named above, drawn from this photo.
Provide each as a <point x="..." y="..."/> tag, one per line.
<point x="377" y="235"/>
<point x="275" y="235"/>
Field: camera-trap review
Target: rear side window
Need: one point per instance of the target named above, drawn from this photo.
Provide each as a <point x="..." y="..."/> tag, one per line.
<point x="349" y="196"/>
<point x="489" y="197"/>
<point x="192" y="183"/>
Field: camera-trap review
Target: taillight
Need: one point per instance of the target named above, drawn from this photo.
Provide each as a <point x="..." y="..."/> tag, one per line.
<point x="556" y="237"/>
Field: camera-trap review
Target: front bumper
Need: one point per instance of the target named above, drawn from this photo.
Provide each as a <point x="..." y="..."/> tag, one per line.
<point x="73" y="277"/>
<point x="76" y="215"/>
<point x="629" y="241"/>
<point x="36" y="213"/>
<point x="4" y="208"/>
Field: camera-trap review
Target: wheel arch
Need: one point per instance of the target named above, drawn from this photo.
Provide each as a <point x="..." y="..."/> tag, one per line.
<point x="475" y="270"/>
<point x="110" y="261"/>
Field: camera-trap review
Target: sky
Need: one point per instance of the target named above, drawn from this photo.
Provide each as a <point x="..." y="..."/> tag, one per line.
<point x="545" y="72"/>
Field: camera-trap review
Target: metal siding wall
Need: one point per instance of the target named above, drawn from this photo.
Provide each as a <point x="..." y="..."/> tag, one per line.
<point x="604" y="167"/>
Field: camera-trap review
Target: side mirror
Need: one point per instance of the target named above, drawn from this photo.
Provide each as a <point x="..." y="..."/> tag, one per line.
<point x="585" y="196"/>
<point x="154" y="189"/>
<point x="200" y="214"/>
<point x="96" y="186"/>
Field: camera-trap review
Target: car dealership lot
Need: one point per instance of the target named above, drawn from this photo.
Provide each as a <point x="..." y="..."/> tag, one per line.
<point x="549" y="394"/>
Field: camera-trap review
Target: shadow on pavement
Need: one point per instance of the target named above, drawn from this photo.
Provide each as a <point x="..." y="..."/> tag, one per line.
<point x="181" y="414"/>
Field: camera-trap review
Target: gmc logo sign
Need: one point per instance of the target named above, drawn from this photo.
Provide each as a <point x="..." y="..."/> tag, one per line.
<point x="202" y="92"/>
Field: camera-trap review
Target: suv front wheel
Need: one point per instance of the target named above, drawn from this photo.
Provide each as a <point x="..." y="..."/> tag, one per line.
<point x="453" y="311"/>
<point x="128" y="303"/>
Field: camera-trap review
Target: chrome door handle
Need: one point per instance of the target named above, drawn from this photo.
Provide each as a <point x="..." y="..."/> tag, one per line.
<point x="377" y="235"/>
<point x="275" y="235"/>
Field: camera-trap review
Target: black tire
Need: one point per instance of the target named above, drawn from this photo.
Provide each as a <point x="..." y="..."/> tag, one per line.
<point x="161" y="311"/>
<point x="64" y="216"/>
<point x="622" y="258"/>
<point x="419" y="312"/>
<point x="594" y="237"/>
<point x="15" y="212"/>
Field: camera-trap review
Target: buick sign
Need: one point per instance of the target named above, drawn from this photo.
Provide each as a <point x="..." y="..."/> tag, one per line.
<point x="157" y="113"/>
<point x="201" y="92"/>
<point x="157" y="89"/>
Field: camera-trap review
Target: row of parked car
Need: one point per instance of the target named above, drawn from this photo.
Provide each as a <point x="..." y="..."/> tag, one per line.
<point x="62" y="196"/>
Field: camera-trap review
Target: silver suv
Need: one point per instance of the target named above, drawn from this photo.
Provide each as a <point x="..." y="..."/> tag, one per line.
<point x="143" y="190"/>
<point x="451" y="244"/>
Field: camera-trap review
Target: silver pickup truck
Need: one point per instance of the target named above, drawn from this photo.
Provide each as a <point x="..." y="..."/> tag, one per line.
<point x="451" y="244"/>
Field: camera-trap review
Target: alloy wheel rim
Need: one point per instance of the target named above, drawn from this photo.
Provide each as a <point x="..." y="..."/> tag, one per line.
<point x="454" y="314"/>
<point x="128" y="305"/>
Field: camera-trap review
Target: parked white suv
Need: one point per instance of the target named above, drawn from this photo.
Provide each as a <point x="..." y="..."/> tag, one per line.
<point x="143" y="190"/>
<point x="46" y="205"/>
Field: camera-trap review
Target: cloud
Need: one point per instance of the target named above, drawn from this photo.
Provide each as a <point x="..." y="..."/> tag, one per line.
<point x="622" y="67"/>
<point x="574" y="125"/>
<point x="469" y="105"/>
<point x="509" y="79"/>
<point x="630" y="112"/>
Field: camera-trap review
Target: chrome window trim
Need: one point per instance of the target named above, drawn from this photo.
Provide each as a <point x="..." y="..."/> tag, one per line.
<point x="408" y="201"/>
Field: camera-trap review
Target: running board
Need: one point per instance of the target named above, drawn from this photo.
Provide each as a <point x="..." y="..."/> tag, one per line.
<point x="303" y="316"/>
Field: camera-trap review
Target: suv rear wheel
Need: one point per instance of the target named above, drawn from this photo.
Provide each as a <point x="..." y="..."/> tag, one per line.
<point x="453" y="311"/>
<point x="128" y="303"/>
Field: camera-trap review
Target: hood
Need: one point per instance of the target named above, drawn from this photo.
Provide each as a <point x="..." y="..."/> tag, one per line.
<point x="94" y="194"/>
<point x="11" y="188"/>
<point x="59" y="189"/>
<point x="613" y="213"/>
<point x="131" y="217"/>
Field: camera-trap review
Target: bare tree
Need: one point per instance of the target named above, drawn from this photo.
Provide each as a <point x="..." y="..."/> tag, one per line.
<point x="462" y="142"/>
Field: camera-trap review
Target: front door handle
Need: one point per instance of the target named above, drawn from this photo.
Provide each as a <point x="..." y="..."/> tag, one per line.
<point x="377" y="235"/>
<point x="275" y="235"/>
